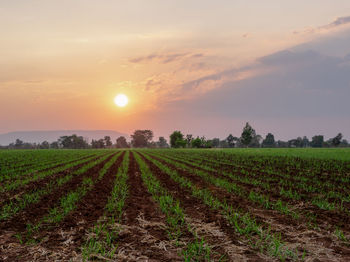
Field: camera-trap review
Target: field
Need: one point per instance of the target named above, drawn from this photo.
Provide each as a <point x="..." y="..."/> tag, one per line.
<point x="175" y="205"/>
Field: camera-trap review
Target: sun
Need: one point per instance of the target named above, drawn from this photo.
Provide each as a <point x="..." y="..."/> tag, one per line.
<point x="121" y="100"/>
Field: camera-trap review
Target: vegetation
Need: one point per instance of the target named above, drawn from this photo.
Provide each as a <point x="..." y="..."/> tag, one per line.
<point x="187" y="204"/>
<point x="144" y="139"/>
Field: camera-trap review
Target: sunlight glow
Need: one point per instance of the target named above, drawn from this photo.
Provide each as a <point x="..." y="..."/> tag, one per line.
<point x="121" y="100"/>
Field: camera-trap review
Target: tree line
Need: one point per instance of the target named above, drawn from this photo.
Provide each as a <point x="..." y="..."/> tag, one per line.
<point x="249" y="138"/>
<point x="144" y="139"/>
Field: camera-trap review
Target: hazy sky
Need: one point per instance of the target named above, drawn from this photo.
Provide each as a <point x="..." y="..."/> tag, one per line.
<point x="204" y="67"/>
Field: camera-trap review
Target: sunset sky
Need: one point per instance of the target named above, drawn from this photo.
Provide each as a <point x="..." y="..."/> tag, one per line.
<point x="204" y="67"/>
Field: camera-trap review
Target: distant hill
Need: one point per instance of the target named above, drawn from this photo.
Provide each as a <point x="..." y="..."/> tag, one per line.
<point x="50" y="136"/>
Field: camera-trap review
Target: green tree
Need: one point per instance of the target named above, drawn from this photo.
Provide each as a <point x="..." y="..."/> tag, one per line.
<point x="317" y="141"/>
<point x="19" y="143"/>
<point x="44" y="145"/>
<point x="189" y="139"/>
<point x="305" y="142"/>
<point x="121" y="142"/>
<point x="231" y="140"/>
<point x="208" y="144"/>
<point x="196" y="143"/>
<point x="255" y="141"/>
<point x="298" y="142"/>
<point x="215" y="142"/>
<point x="108" y="141"/>
<point x="180" y="143"/>
<point x="269" y="141"/>
<point x="98" y="143"/>
<point x="162" y="143"/>
<point x="223" y="144"/>
<point x="344" y="143"/>
<point x="177" y="139"/>
<point x="282" y="144"/>
<point x="141" y="138"/>
<point x="248" y="134"/>
<point x="73" y="142"/>
<point x="337" y="140"/>
<point x="54" y="145"/>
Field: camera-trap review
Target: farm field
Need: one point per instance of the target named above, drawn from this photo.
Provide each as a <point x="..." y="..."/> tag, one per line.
<point x="175" y="205"/>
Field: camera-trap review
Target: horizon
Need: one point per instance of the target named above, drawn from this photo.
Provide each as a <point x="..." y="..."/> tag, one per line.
<point x="200" y="67"/>
<point x="128" y="136"/>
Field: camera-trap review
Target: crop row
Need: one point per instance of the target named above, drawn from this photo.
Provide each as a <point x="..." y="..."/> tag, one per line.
<point x="260" y="203"/>
<point x="20" y="202"/>
<point x="67" y="203"/>
<point x="259" y="235"/>
<point x="33" y="161"/>
<point x="285" y="185"/>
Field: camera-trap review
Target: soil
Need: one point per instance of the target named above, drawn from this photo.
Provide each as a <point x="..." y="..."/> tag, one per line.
<point x="10" y="195"/>
<point x="289" y="228"/>
<point x="146" y="232"/>
<point x="143" y="232"/>
<point x="33" y="213"/>
<point x="197" y="211"/>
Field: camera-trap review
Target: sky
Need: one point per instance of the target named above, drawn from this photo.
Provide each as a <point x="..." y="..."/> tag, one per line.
<point x="200" y="66"/>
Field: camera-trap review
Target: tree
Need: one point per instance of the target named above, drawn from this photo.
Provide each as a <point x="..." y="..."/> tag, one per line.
<point x="141" y="138"/>
<point x="223" y="143"/>
<point x="73" y="142"/>
<point x="298" y="142"/>
<point x="189" y="139"/>
<point x="305" y="142"/>
<point x="177" y="139"/>
<point x="121" y="142"/>
<point x="247" y="135"/>
<point x="337" y="140"/>
<point x="269" y="141"/>
<point x="98" y="143"/>
<point x="54" y="145"/>
<point x="344" y="143"/>
<point x="108" y="141"/>
<point x="162" y="143"/>
<point x="208" y="144"/>
<point x="19" y="143"/>
<point x="231" y="140"/>
<point x="282" y="144"/>
<point x="256" y="140"/>
<point x="196" y="143"/>
<point x="44" y="145"/>
<point x="180" y="143"/>
<point x="317" y="141"/>
<point x="215" y="142"/>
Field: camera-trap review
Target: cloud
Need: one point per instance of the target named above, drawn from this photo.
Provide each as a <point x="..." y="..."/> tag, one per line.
<point x="164" y="58"/>
<point x="337" y="23"/>
<point x="297" y="84"/>
<point x="216" y="80"/>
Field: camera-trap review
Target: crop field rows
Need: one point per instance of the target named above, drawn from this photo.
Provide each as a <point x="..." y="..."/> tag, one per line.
<point x="172" y="205"/>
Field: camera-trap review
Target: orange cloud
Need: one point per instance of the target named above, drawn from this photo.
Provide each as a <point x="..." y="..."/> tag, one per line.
<point x="164" y="58"/>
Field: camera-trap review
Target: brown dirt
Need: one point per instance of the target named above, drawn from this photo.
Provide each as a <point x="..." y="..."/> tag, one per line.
<point x="34" y="212"/>
<point x="146" y="238"/>
<point x="73" y="228"/>
<point x="260" y="174"/>
<point x="325" y="219"/>
<point x="197" y="211"/>
<point x="143" y="235"/>
<point x="289" y="228"/>
<point x="10" y="195"/>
